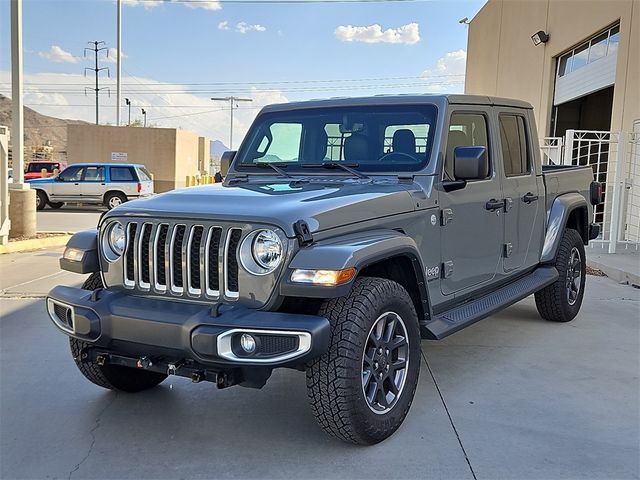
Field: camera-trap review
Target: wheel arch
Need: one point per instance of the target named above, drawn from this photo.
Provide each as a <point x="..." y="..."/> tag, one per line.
<point x="569" y="210"/>
<point x="112" y="191"/>
<point x="383" y="253"/>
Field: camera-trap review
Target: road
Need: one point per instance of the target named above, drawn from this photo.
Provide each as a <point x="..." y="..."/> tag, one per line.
<point x="68" y="219"/>
<point x="511" y="397"/>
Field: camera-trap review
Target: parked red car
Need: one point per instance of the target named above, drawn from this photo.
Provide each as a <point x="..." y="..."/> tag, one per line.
<point x="34" y="169"/>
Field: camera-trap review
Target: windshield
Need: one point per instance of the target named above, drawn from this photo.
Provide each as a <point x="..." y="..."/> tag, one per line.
<point x="376" y="138"/>
<point x="37" y="167"/>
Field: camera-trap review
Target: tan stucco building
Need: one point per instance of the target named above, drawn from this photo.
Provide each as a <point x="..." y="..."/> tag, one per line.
<point x="170" y="154"/>
<point x="586" y="76"/>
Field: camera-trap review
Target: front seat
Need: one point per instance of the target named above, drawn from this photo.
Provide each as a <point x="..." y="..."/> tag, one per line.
<point x="356" y="149"/>
<point x="404" y="141"/>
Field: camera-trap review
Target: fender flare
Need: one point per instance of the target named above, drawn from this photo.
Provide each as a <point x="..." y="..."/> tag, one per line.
<point x="357" y="250"/>
<point x="559" y="214"/>
<point x="86" y="241"/>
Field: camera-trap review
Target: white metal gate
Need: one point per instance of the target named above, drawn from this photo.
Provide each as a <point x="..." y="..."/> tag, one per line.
<point x="615" y="159"/>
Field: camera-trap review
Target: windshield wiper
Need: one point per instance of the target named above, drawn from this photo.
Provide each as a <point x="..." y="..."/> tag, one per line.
<point x="275" y="166"/>
<point x="347" y="167"/>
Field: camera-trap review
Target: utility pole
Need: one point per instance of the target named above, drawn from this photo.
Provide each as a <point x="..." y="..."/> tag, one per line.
<point x="97" y="48"/>
<point x="22" y="199"/>
<point x="128" y="102"/>
<point x="233" y="104"/>
<point x="144" y="115"/>
<point x="118" y="60"/>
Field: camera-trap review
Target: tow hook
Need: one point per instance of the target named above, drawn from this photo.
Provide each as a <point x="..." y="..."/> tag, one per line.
<point x="197" y="377"/>
<point x="172" y="368"/>
<point x="144" y="362"/>
<point x="101" y="360"/>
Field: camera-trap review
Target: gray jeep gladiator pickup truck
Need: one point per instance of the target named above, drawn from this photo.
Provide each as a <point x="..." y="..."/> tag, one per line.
<point x="345" y="231"/>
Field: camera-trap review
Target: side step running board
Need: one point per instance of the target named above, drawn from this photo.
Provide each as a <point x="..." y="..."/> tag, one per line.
<point x="464" y="315"/>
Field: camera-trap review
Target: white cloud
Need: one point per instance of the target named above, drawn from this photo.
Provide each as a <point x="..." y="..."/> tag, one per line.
<point x="149" y="4"/>
<point x="408" y="34"/>
<point x="212" y="5"/>
<point x="244" y="27"/>
<point x="113" y="56"/>
<point x="58" y="55"/>
<point x="175" y="109"/>
<point x="223" y="25"/>
<point x="448" y="74"/>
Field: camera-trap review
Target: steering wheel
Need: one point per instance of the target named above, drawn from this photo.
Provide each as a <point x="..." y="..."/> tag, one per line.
<point x="399" y="157"/>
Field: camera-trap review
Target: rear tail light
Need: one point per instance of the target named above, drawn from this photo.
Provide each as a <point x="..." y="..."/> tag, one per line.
<point x="139" y="187"/>
<point x="597" y="193"/>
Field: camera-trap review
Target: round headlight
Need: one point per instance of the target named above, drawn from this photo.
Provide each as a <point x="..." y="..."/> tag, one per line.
<point x="115" y="240"/>
<point x="267" y="249"/>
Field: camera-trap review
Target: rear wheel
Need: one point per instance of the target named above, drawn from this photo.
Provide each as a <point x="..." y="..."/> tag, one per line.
<point x="114" y="199"/>
<point x="41" y="200"/>
<point x="561" y="301"/>
<point x="112" y="377"/>
<point x="361" y="389"/>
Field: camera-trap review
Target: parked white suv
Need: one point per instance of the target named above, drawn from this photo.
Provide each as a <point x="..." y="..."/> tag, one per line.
<point x="108" y="184"/>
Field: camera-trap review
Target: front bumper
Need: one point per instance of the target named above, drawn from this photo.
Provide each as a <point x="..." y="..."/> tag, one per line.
<point x="178" y="331"/>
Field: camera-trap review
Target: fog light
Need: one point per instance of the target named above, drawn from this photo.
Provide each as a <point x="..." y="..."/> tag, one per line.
<point x="248" y="343"/>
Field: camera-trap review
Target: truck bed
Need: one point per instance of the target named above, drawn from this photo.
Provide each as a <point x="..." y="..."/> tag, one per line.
<point x="559" y="179"/>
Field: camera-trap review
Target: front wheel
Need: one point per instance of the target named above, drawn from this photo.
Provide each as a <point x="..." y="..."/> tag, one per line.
<point x="561" y="301"/>
<point x="361" y="389"/>
<point x="112" y="377"/>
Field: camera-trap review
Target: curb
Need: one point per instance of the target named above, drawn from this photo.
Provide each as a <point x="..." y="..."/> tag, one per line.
<point x="616" y="274"/>
<point x="36" y="243"/>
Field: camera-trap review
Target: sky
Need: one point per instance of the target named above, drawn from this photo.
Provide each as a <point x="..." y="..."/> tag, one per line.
<point x="177" y="54"/>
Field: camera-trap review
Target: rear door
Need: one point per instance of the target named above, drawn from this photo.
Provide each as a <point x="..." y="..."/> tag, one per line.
<point x="93" y="185"/>
<point x="471" y="234"/>
<point x="66" y="186"/>
<point x="523" y="201"/>
<point x="123" y="178"/>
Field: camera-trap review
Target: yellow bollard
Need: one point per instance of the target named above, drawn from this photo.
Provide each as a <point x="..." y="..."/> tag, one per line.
<point x="55" y="172"/>
<point x="193" y="181"/>
<point x="43" y="173"/>
<point x="187" y="182"/>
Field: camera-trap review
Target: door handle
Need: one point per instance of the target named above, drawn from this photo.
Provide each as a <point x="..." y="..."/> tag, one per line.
<point x="529" y="198"/>
<point x="493" y="205"/>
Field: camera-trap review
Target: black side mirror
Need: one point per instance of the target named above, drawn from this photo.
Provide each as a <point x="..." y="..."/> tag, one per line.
<point x="225" y="161"/>
<point x="470" y="163"/>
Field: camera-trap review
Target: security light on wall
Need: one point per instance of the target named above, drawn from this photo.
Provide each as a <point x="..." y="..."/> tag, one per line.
<point x="540" y="37"/>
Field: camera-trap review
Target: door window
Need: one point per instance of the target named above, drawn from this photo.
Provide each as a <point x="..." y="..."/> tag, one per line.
<point x="94" y="174"/>
<point x="71" y="174"/>
<point x="122" y="174"/>
<point x="465" y="130"/>
<point x="513" y="138"/>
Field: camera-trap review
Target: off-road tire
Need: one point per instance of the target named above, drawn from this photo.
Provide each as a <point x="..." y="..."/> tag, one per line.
<point x="113" y="195"/>
<point x="56" y="205"/>
<point x="334" y="381"/>
<point x="552" y="302"/>
<point x="41" y="200"/>
<point x="112" y="377"/>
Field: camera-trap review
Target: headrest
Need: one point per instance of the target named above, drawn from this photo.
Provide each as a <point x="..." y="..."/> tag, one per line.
<point x="356" y="148"/>
<point x="404" y="141"/>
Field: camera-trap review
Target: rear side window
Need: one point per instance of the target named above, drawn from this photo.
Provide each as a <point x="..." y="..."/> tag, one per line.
<point x="123" y="174"/>
<point x="513" y="138"/>
<point x="94" y="174"/>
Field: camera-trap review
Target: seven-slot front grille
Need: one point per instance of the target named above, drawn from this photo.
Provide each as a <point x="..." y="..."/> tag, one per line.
<point x="183" y="259"/>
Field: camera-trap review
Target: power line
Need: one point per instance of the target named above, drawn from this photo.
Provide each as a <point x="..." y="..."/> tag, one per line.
<point x="279" y="2"/>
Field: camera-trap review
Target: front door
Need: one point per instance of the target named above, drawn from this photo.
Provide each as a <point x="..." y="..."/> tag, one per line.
<point x="66" y="187"/>
<point x="523" y="201"/>
<point x="471" y="233"/>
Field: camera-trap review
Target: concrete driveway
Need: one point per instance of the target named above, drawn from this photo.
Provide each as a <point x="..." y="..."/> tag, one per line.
<point x="511" y="397"/>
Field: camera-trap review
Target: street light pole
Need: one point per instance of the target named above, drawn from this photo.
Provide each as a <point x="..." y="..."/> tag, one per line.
<point x="232" y="103"/>
<point x="128" y="102"/>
